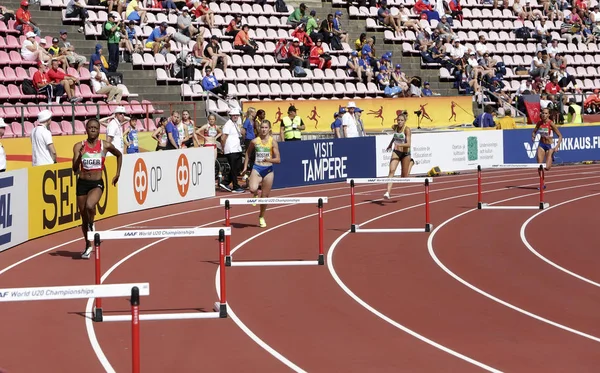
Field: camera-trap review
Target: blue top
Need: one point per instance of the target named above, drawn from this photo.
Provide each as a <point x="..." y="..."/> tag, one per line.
<point x="132" y="138"/>
<point x="209" y="82"/>
<point x="426" y="92"/>
<point x="130" y="33"/>
<point x="249" y="127"/>
<point x="156" y="33"/>
<point x="484" y="120"/>
<point x="336" y="124"/>
<point x="170" y="128"/>
<point x="366" y="49"/>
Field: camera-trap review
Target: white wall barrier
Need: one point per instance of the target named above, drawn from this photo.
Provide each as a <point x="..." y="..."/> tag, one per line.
<point x="451" y="151"/>
<point x="14" y="226"/>
<point x="164" y="178"/>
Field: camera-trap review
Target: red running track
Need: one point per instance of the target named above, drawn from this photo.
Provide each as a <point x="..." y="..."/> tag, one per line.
<point x="413" y="315"/>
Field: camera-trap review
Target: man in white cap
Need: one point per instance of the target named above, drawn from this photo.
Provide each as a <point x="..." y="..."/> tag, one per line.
<point x="114" y="127"/>
<point x="2" y="152"/>
<point x="349" y="125"/>
<point x="42" y="147"/>
<point x="232" y="148"/>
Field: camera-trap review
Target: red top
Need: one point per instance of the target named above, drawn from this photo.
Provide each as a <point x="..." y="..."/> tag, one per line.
<point x="22" y="14"/>
<point x="545" y="128"/>
<point x="552" y="88"/>
<point x="56" y="76"/>
<point x="92" y="159"/>
<point x="40" y="78"/>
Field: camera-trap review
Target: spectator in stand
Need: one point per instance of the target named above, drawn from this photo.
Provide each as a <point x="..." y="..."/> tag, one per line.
<point x="197" y="51"/>
<point x="533" y="13"/>
<point x="114" y="127"/>
<point x="385" y="61"/>
<point x="336" y="126"/>
<point x="457" y="52"/>
<point x="43" y="151"/>
<point x="400" y="80"/>
<point x="519" y="11"/>
<point x="244" y="43"/>
<point x="540" y="66"/>
<point x="5" y="16"/>
<point x="360" y="43"/>
<point x="426" y="91"/>
<point x="183" y="68"/>
<point x="456" y="9"/>
<point x="485" y="119"/>
<point x="326" y="29"/>
<point x="184" y="23"/>
<point x="349" y="123"/>
<point x="297" y="16"/>
<point x="365" y="65"/>
<point x="368" y="53"/>
<point x="542" y="31"/>
<point x="232" y="148"/>
<point x="41" y="81"/>
<point x="56" y="52"/>
<point x="422" y="6"/>
<point x="291" y="126"/>
<point x="211" y="84"/>
<point x="31" y="51"/>
<point x="552" y="49"/>
<point x="282" y="52"/>
<point x="481" y="47"/>
<point x="114" y="39"/>
<point x="94" y="58"/>
<point x="444" y="29"/>
<point x="312" y="26"/>
<point x="101" y="85"/>
<point x="337" y="27"/>
<point x="68" y="82"/>
<point x="135" y="13"/>
<point x="318" y="57"/>
<point x="552" y="87"/>
<point x="435" y="53"/>
<point x="2" y="151"/>
<point x="385" y="17"/>
<point x="504" y="120"/>
<point x="76" y="9"/>
<point x="24" y="24"/>
<point x="125" y="41"/>
<point x="564" y="79"/>
<point x="68" y="51"/>
<point x="213" y="52"/>
<point x="203" y="13"/>
<point x="574" y="113"/>
<point x="234" y="26"/>
<point x="306" y="43"/>
<point x="295" y="54"/>
<point x="591" y="104"/>
<point x="354" y="68"/>
<point x="158" y="38"/>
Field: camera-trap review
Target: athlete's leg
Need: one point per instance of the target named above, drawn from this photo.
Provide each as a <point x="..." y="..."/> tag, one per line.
<point x="394" y="161"/>
<point x="549" y="157"/>
<point x="267" y="184"/>
<point x="406" y="165"/>
<point x="93" y="197"/>
<point x="81" y="202"/>
<point x="540" y="154"/>
<point x="254" y="182"/>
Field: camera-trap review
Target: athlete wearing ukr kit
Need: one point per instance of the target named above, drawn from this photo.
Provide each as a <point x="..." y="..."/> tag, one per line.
<point x="401" y="151"/>
<point x="88" y="161"/>
<point x="546" y="128"/>
<point x="266" y="153"/>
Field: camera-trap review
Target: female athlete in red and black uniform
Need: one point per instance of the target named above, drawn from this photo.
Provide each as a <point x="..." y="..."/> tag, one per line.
<point x="88" y="162"/>
<point x="546" y="147"/>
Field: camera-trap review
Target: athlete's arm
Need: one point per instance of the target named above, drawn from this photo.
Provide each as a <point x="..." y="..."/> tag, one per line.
<point x="276" y="158"/>
<point x="117" y="153"/>
<point x="247" y="157"/>
<point x="125" y="137"/>
<point x="408" y="134"/>
<point x="537" y="127"/>
<point x="557" y="131"/>
<point x="200" y="131"/>
<point x="77" y="152"/>
<point x="155" y="134"/>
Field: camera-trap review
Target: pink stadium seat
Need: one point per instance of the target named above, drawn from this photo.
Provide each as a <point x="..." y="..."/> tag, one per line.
<point x="55" y="129"/>
<point x="80" y="127"/>
<point x="28" y="127"/>
<point x="14" y="92"/>
<point x="4" y="95"/>
<point x="67" y="127"/>
<point x="17" y="129"/>
<point x="8" y="132"/>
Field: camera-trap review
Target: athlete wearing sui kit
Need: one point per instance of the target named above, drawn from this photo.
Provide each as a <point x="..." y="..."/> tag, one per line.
<point x="88" y="162"/>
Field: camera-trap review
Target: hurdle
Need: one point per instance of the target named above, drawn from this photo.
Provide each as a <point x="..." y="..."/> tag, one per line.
<point x="228" y="202"/>
<point x="484" y="206"/>
<point x="355" y="228"/>
<point x="220" y="308"/>
<point x="134" y="290"/>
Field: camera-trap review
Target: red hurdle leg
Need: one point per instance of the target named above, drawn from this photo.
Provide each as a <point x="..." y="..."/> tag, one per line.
<point x="98" y="301"/>
<point x="223" y="300"/>
<point x="135" y="329"/>
<point x="427" y="216"/>
<point x="227" y="238"/>
<point x="479" y="202"/>
<point x="352" y="208"/>
<point x="542" y="184"/>
<point x="321" y="256"/>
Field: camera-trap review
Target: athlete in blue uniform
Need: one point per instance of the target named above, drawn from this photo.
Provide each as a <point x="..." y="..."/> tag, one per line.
<point x="266" y="153"/>
<point x="131" y="137"/>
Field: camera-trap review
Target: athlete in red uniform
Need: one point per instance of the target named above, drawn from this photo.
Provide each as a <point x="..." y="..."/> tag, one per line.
<point x="546" y="147"/>
<point x="88" y="162"/>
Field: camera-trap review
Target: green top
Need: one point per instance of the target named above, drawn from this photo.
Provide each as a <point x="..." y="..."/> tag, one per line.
<point x="311" y="25"/>
<point x="296" y="15"/>
<point x="115" y="37"/>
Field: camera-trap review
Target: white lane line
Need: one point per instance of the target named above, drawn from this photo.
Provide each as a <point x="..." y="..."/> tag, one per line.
<point x="528" y="245"/>
<point x="488" y="295"/>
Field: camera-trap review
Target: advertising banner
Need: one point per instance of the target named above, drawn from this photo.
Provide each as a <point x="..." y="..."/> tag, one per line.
<point x="13" y="209"/>
<point x="579" y="144"/>
<point x="163" y="178"/>
<point x="450" y="151"/>
<point x="378" y="114"/>
<point x="52" y="199"/>
<point x="324" y="161"/>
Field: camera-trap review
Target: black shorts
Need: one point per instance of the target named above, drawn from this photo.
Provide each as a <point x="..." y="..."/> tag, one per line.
<point x="84" y="186"/>
<point x="158" y="147"/>
<point x="401" y="155"/>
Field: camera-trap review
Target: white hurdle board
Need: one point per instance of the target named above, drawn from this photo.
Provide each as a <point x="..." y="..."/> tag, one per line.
<point x="517" y="165"/>
<point x="386" y="180"/>
<point x="72" y="292"/>
<point x="273" y="200"/>
<point x="485" y="206"/>
<point x="159" y="233"/>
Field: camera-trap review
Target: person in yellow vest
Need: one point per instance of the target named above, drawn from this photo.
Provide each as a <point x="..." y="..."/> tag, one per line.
<point x="574" y="112"/>
<point x="291" y="126"/>
<point x="504" y="120"/>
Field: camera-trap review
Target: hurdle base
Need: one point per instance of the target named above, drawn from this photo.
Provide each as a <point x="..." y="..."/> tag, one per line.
<point x="228" y="261"/>
<point x="544" y="205"/>
<point x="221" y="308"/>
<point x="321" y="259"/>
<point x="428" y="227"/>
<point x="98" y="315"/>
<point x="353" y="228"/>
<point x="479" y="205"/>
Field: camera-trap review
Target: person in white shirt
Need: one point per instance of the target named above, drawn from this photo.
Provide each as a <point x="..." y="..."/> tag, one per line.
<point x="31" y="51"/>
<point x="552" y="49"/>
<point x="42" y="147"/>
<point x="349" y="125"/>
<point x="2" y="152"/>
<point x="232" y="148"/>
<point x="101" y="86"/>
<point x="114" y="127"/>
<point x="481" y="47"/>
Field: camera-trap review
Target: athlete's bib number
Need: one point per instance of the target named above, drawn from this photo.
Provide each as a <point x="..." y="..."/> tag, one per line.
<point x="261" y="156"/>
